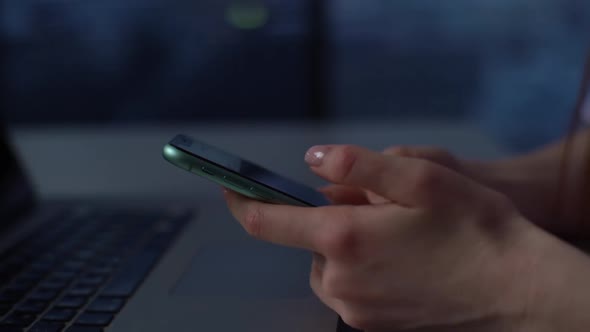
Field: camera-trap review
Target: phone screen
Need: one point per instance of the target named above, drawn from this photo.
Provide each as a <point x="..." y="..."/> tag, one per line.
<point x="249" y="170"/>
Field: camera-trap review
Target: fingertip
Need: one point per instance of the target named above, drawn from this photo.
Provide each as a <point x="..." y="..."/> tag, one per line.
<point x="338" y="163"/>
<point x="232" y="198"/>
<point x="315" y="156"/>
<point x="403" y="151"/>
<point x="226" y="194"/>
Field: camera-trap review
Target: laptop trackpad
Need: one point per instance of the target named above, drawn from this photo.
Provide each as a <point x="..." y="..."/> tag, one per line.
<point x="250" y="270"/>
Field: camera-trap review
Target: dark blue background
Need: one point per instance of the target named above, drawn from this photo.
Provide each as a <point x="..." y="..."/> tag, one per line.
<point x="510" y="66"/>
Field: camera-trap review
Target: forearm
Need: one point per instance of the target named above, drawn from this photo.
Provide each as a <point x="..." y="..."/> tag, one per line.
<point x="534" y="182"/>
<point x="559" y="298"/>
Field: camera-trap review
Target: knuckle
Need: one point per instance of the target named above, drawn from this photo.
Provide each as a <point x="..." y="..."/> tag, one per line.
<point x="426" y="176"/>
<point x="253" y="221"/>
<point x="335" y="286"/>
<point x="398" y="151"/>
<point x="341" y="240"/>
<point x="425" y="183"/>
<point x="345" y="159"/>
<point x="499" y="204"/>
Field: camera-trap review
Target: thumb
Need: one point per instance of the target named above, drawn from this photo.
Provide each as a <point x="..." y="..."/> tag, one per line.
<point x="406" y="181"/>
<point x="432" y="154"/>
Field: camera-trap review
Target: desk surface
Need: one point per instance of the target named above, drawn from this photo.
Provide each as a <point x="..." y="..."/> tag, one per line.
<point x="126" y="162"/>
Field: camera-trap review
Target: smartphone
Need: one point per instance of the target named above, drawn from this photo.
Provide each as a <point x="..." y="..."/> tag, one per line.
<point x="238" y="174"/>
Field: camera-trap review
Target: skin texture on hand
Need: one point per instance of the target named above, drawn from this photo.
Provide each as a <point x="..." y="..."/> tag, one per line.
<point x="428" y="250"/>
<point x="543" y="192"/>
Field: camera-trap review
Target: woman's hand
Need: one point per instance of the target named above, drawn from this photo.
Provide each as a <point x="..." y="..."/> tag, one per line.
<point x="340" y="194"/>
<point x="533" y="182"/>
<point x="435" y="251"/>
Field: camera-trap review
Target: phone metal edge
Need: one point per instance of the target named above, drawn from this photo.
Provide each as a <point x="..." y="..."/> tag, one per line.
<point x="195" y="165"/>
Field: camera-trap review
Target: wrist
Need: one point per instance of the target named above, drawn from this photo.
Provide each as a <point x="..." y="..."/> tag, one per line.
<point x="531" y="187"/>
<point x="503" y="175"/>
<point x="554" y="285"/>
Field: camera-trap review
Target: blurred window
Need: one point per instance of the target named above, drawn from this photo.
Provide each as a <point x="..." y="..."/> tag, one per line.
<point x="511" y="65"/>
<point x="155" y="60"/>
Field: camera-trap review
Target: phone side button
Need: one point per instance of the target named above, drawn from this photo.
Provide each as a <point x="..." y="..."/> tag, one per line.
<point x="207" y="171"/>
<point x="259" y="194"/>
<point x="233" y="182"/>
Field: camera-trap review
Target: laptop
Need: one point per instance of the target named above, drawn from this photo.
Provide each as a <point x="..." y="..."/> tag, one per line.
<point x="73" y="265"/>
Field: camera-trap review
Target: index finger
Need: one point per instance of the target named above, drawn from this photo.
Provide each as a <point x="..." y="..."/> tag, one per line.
<point x="300" y="227"/>
<point x="280" y="224"/>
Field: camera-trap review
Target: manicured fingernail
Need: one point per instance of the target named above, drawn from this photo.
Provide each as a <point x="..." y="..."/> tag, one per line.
<point x="315" y="156"/>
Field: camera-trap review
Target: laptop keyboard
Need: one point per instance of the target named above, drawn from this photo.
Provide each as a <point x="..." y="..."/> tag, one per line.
<point x="76" y="272"/>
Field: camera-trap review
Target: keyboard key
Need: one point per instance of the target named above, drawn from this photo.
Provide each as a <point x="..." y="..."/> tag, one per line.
<point x="161" y="241"/>
<point x="22" y="286"/>
<point x="54" y="283"/>
<point x="44" y="326"/>
<point x="59" y="315"/>
<point x="67" y="248"/>
<point x="12" y="267"/>
<point x="122" y="246"/>
<point x="101" y="270"/>
<point x="15" y="292"/>
<point x="33" y="307"/>
<point x="72" y="302"/>
<point x="94" y="319"/>
<point x="126" y="281"/>
<point x="6" y="274"/>
<point x="19" y="319"/>
<point x="81" y="290"/>
<point x="4" y="308"/>
<point x="109" y="260"/>
<point x="63" y="275"/>
<point x="50" y="257"/>
<point x="106" y="304"/>
<point x="42" y="266"/>
<point x="10" y="328"/>
<point x="85" y="254"/>
<point x="73" y="266"/>
<point x="91" y="280"/>
<point x="30" y="276"/>
<point x="43" y="295"/>
<point x="10" y="297"/>
<point x="81" y="328"/>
